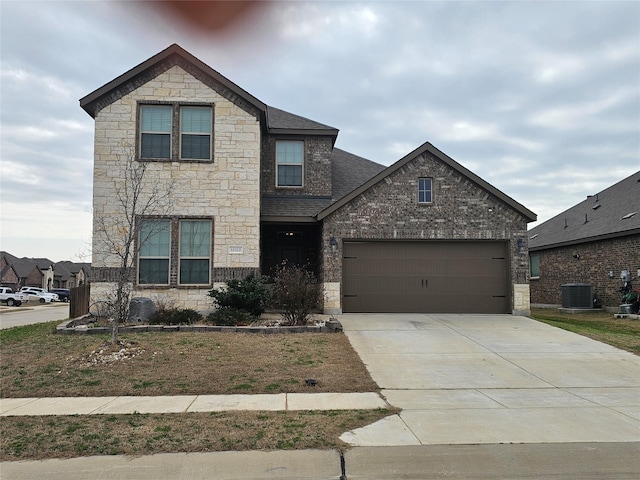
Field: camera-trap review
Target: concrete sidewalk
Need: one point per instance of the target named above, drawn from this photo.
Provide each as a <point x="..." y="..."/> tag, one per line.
<point x="189" y="403"/>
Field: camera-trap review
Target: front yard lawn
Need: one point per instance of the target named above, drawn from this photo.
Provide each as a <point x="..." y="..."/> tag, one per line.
<point x="36" y="362"/>
<point x="622" y="333"/>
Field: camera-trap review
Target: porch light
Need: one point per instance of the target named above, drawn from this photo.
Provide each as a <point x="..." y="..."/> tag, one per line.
<point x="522" y="245"/>
<point x="333" y="244"/>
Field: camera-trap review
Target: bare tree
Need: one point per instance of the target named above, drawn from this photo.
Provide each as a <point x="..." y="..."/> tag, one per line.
<point x="117" y="228"/>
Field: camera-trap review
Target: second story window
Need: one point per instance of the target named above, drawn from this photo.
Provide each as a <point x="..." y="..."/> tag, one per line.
<point x="289" y="163"/>
<point x="155" y="131"/>
<point x="175" y="132"/>
<point x="195" y="133"/>
<point x="425" y="190"/>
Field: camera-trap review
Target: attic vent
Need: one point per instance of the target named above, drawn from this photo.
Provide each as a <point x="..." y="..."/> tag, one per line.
<point x="595" y="207"/>
<point x="534" y="236"/>
<point x="628" y="215"/>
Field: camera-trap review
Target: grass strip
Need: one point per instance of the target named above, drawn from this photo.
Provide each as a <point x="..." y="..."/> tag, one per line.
<point x="34" y="438"/>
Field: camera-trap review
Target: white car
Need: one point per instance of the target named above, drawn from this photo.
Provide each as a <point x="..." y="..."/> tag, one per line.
<point x="39" y="295"/>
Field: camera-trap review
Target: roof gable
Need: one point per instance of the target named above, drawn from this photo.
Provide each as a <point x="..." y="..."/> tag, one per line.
<point x="606" y="214"/>
<point x="142" y="73"/>
<point x="275" y="120"/>
<point x="429" y="148"/>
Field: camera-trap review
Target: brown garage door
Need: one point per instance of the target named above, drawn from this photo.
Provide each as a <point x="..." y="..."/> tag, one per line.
<point x="425" y="277"/>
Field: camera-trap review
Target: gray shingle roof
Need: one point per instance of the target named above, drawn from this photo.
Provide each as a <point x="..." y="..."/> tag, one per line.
<point x="292" y="206"/>
<point x="599" y="216"/>
<point x="280" y="120"/>
<point x="350" y="171"/>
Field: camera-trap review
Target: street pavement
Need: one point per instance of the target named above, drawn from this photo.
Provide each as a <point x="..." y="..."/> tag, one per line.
<point x="30" y="313"/>
<point x="482" y="397"/>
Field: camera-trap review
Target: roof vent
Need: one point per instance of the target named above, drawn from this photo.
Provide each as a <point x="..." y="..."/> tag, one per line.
<point x="533" y="236"/>
<point x="596" y="206"/>
<point x="628" y="215"/>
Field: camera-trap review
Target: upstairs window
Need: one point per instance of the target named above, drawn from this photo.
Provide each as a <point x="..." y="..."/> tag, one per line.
<point x="289" y="163"/>
<point x="425" y="191"/>
<point x="155" y="131"/>
<point x="176" y="132"/>
<point x="195" y="133"/>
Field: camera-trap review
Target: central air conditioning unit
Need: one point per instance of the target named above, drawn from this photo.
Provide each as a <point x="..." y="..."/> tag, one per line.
<point x="577" y="295"/>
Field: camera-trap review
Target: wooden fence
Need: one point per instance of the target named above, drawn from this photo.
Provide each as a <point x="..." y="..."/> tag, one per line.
<point x="79" y="300"/>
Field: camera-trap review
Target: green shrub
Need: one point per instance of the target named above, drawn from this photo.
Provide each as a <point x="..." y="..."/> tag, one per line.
<point x="175" y="316"/>
<point x="297" y="293"/>
<point x="229" y="317"/>
<point x="250" y="295"/>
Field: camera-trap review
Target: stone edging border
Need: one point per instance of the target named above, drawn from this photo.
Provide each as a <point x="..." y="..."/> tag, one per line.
<point x="70" y="327"/>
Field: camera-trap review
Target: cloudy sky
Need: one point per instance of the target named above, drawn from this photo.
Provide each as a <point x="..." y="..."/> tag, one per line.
<point x="540" y="99"/>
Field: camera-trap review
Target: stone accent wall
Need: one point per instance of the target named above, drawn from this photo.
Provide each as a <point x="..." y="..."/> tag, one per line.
<point x="226" y="189"/>
<point x="460" y="210"/>
<point x="317" y="166"/>
<point x="558" y="267"/>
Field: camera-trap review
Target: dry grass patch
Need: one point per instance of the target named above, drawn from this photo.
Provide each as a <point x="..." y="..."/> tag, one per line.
<point x="622" y="333"/>
<point x="35" y="438"/>
<point x="36" y="362"/>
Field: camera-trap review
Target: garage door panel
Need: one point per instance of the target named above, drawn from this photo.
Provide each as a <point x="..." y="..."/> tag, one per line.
<point x="425" y="277"/>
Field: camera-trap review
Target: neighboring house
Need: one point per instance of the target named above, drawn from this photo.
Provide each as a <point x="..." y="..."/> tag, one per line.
<point x="26" y="270"/>
<point x="71" y="274"/>
<point x="254" y="186"/>
<point x="590" y="243"/>
<point x="46" y="267"/>
<point x="42" y="272"/>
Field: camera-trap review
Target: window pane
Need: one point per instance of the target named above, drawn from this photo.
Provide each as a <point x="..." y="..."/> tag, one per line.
<point x="196" y="120"/>
<point x="290" y="175"/>
<point x="194" y="271"/>
<point x="155" y="118"/>
<point x="154" y="271"/>
<point x="534" y="261"/>
<point x="155" y="145"/>
<point x="196" y="147"/>
<point x="289" y="152"/>
<point x="195" y="238"/>
<point x="424" y="190"/>
<point x="154" y="238"/>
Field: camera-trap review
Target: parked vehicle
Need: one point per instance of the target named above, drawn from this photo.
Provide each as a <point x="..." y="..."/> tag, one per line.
<point x="39" y="295"/>
<point x="63" y="293"/>
<point x="12" y="298"/>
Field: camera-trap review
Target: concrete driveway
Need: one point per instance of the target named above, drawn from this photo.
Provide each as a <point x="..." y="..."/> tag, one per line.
<point x="478" y="379"/>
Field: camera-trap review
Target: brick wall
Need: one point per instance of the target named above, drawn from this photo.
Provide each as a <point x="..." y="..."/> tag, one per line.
<point x="317" y="166"/>
<point x="558" y="266"/>
<point x="460" y="210"/>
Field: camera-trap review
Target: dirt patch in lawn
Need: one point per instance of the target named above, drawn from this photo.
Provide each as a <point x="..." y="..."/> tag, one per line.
<point x="36" y="362"/>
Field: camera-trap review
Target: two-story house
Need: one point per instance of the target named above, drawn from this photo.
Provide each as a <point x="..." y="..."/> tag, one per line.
<point x="253" y="186"/>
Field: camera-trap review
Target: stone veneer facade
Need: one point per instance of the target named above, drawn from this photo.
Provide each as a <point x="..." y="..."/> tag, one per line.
<point x="460" y="210"/>
<point x="226" y="190"/>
